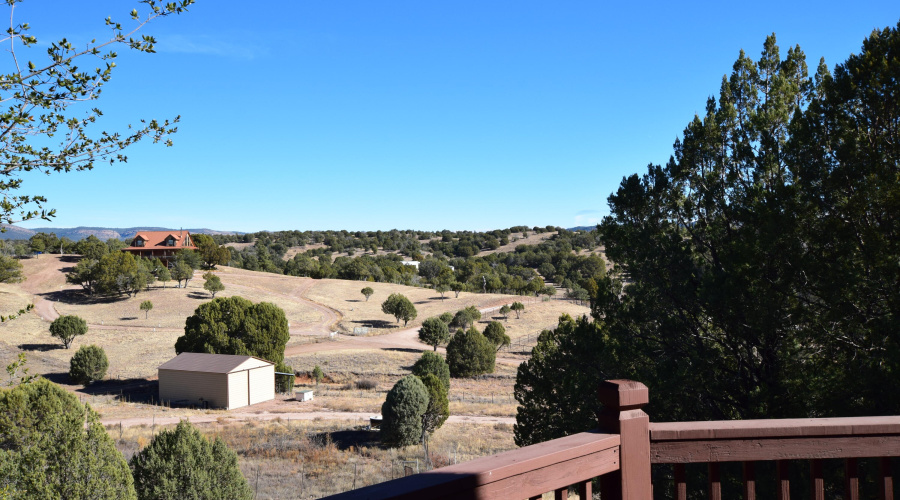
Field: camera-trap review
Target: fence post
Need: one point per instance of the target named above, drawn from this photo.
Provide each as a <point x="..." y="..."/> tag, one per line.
<point x="622" y="414"/>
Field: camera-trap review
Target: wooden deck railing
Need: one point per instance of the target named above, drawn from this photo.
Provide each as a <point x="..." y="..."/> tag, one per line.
<point x="750" y="441"/>
<point x="620" y="456"/>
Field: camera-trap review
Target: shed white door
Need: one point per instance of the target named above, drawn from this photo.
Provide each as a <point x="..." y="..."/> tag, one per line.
<point x="262" y="384"/>
<point x="238" y="390"/>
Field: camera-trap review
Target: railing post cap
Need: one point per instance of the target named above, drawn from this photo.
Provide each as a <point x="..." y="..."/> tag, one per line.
<point x="623" y="394"/>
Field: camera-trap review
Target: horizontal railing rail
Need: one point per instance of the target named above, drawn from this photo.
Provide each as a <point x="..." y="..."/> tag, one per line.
<point x="780" y="441"/>
<point x="522" y="473"/>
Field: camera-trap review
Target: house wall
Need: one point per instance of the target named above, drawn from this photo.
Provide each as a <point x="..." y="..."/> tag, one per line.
<point x="191" y="387"/>
<point x="262" y="384"/>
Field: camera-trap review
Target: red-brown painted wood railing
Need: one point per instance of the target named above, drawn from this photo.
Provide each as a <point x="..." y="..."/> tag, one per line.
<point x="620" y="455"/>
<point x="782" y="440"/>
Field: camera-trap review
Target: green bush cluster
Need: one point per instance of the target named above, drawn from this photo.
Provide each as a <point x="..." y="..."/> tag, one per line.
<point x="402" y="412"/>
<point x="88" y="364"/>
<point x="181" y="463"/>
<point x="470" y="353"/>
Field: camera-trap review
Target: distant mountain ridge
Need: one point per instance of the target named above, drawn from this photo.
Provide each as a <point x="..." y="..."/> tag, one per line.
<point x="104" y="233"/>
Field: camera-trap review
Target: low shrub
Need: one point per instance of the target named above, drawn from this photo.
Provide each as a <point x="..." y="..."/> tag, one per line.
<point x="88" y="364"/>
<point x="366" y="384"/>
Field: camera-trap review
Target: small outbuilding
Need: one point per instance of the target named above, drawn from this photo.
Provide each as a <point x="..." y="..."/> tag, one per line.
<point x="303" y="395"/>
<point x="216" y="380"/>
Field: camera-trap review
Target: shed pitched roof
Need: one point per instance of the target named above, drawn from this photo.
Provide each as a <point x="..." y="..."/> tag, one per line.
<point x="213" y="363"/>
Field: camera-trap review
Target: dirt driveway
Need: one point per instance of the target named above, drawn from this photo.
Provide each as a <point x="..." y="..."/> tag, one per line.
<point x="362" y="418"/>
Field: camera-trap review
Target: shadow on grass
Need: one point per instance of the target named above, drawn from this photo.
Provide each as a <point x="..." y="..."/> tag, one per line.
<point x="129" y="318"/>
<point x="375" y="323"/>
<point x="406" y="349"/>
<point x="429" y="300"/>
<point x="136" y="390"/>
<point x="353" y="300"/>
<point x="74" y="296"/>
<point x="199" y="296"/>
<point x="40" y="347"/>
<point x="355" y="438"/>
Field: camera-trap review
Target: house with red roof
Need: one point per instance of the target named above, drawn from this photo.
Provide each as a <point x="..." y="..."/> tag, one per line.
<point x="162" y="245"/>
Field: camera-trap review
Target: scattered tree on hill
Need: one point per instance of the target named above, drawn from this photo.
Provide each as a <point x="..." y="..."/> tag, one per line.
<point x="212" y="254"/>
<point x="469" y="354"/>
<point x="146" y="306"/>
<point x="402" y="412"/>
<point x="436" y="412"/>
<point x="234" y="325"/>
<point x="10" y="270"/>
<point x="318" y="375"/>
<point x="433" y="363"/>
<point x="442" y="289"/>
<point x="457" y="287"/>
<point x="91" y="248"/>
<point x="578" y="294"/>
<point x="446" y="317"/>
<point x="164" y="275"/>
<point x="66" y="328"/>
<point x="466" y="318"/>
<point x="399" y="307"/>
<point x="517" y="307"/>
<point x="504" y="311"/>
<point x="535" y="286"/>
<point x="434" y="332"/>
<point x="114" y="273"/>
<point x="88" y="364"/>
<point x="189" y="257"/>
<point x="117" y="272"/>
<point x="182" y="272"/>
<point x="431" y="268"/>
<point x="213" y="283"/>
<point x="85" y="275"/>
<point x="53" y="447"/>
<point x="368" y="292"/>
<point x="181" y="463"/>
<point x="496" y="334"/>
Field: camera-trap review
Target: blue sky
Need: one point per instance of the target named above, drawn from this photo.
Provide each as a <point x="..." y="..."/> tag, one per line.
<point x="366" y="115"/>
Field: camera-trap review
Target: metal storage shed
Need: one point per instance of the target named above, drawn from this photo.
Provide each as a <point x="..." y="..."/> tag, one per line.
<point x="219" y="380"/>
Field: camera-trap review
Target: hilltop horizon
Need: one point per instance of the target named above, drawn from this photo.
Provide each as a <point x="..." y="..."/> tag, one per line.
<point x="15" y="232"/>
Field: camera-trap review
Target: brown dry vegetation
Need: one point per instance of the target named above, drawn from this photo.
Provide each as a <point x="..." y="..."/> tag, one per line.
<point x="311" y="459"/>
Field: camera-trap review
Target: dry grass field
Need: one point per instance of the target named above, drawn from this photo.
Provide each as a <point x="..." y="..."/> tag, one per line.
<point x="345" y="297"/>
<point x="314" y="457"/>
<point x="311" y="459"/>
